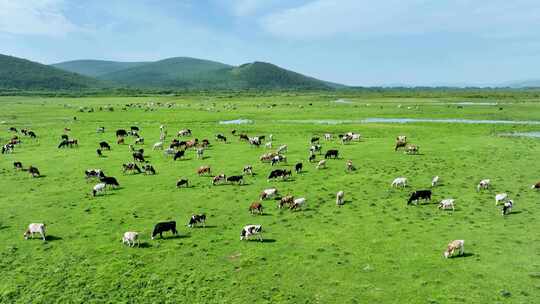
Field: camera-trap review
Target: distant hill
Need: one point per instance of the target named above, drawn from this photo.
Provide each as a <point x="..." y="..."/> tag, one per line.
<point x="96" y="68"/>
<point x="533" y="83"/>
<point x="22" y="74"/>
<point x="193" y="73"/>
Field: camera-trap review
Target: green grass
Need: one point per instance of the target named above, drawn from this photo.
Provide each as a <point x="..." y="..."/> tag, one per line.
<point x="372" y="250"/>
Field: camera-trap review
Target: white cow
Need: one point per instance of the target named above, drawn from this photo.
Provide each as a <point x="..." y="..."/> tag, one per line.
<point x="131" y="238"/>
<point x="268" y="193"/>
<point x="268" y="145"/>
<point x="35" y="228"/>
<point x="446" y="204"/>
<point x="158" y="146"/>
<point x="340" y="198"/>
<point x="251" y="230"/>
<point x="98" y="188"/>
<point x="483" y="184"/>
<point x="399" y="182"/>
<point x="327" y="136"/>
<point x="298" y="203"/>
<point x="453" y="246"/>
<point x="200" y="152"/>
<point x="282" y="149"/>
<point x="321" y="164"/>
<point x="435" y="181"/>
<point x="501" y="197"/>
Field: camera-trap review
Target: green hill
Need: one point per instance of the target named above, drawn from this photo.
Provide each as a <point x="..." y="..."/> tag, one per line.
<point x="96" y="68"/>
<point x="22" y="74"/>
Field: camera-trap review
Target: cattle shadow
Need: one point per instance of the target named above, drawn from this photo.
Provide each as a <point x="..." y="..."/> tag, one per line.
<point x="52" y="238"/>
<point x="265" y="240"/>
<point x="144" y="245"/>
<point x="464" y="255"/>
<point x="513" y="212"/>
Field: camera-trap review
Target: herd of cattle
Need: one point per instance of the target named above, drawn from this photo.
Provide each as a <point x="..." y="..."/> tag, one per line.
<point x="177" y="150"/>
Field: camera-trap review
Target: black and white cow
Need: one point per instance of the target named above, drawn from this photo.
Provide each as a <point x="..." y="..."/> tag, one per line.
<point x="104" y="145"/>
<point x="418" y="195"/>
<point x="111" y="181"/>
<point x="282" y="173"/>
<point x="179" y="154"/>
<point x="138" y="156"/>
<point x="182" y="182"/>
<point x="251" y="230"/>
<point x="161" y="227"/>
<point x="236" y="179"/>
<point x="331" y="153"/>
<point x="197" y="219"/>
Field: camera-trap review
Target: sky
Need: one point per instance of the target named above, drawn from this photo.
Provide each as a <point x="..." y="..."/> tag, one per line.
<point x="354" y="42"/>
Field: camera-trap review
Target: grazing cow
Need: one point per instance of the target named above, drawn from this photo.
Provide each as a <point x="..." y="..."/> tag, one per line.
<point x="203" y="170"/>
<point x="312" y="157"/>
<point x="268" y="193"/>
<point x="435" y="181"/>
<point x="100" y="130"/>
<point x="321" y="164"/>
<point x="138" y="156"/>
<point x="314" y="140"/>
<point x="99" y="188"/>
<point x="179" y="154"/>
<point x="149" y="169"/>
<point x="331" y="153"/>
<point x="345" y="139"/>
<point x="298" y="168"/>
<point x="286" y="200"/>
<point x="121" y="133"/>
<point x="279" y="173"/>
<point x="233" y="132"/>
<point x="94" y="173"/>
<point x="536" y="186"/>
<point x="501" y="197"/>
<point x="184" y="132"/>
<point x="161" y="227"/>
<point x="182" y="182"/>
<point x="483" y="184"/>
<point x="236" y="179"/>
<point x="412" y="149"/>
<point x="256" y="207"/>
<point x="104" y="145"/>
<point x="35" y="228"/>
<point x="315" y="148"/>
<point x="33" y="171"/>
<point x="243" y="137"/>
<point x="349" y="166"/>
<point x="401" y="138"/>
<point x="131" y="238"/>
<point x="99" y="153"/>
<point x="120" y="141"/>
<point x="248" y="169"/>
<point x="354" y="136"/>
<point x="197" y="219"/>
<point x="13" y="129"/>
<point x="453" y="246"/>
<point x="139" y="141"/>
<point x="507" y="207"/>
<point x="267" y="157"/>
<point x="327" y="136"/>
<point x="400" y="144"/>
<point x="254" y="141"/>
<point x="158" y="146"/>
<point x="282" y="149"/>
<point x="279" y="158"/>
<point x="109" y="180"/>
<point x="221" y="137"/>
<point x="268" y="145"/>
<point x="298" y="203"/>
<point x="200" y="152"/>
<point x="340" y="198"/>
<point x="251" y="230"/>
<point x="218" y="179"/>
<point x="17" y="165"/>
<point x="447" y="204"/>
<point x="134" y="129"/>
<point x="399" y="182"/>
<point x="418" y="195"/>
<point x="7" y="148"/>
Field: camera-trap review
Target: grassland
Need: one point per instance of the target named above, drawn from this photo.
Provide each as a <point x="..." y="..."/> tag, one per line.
<point x="375" y="249"/>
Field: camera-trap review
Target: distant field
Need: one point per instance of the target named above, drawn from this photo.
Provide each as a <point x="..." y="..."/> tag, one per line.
<point x="374" y="249"/>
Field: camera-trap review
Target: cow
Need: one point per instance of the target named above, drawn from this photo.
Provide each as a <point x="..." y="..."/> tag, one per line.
<point x="298" y="168"/>
<point x="138" y="156"/>
<point x="161" y="227"/>
<point x="200" y="153"/>
<point x="221" y="137"/>
<point x="179" y="154"/>
<point x="203" y="170"/>
<point x="33" y="171"/>
<point x="109" y="180"/>
<point x="312" y="158"/>
<point x="447" y="204"/>
<point x="121" y="133"/>
<point x="279" y="173"/>
<point x="349" y="166"/>
<point x="139" y="141"/>
<point x="131" y="238"/>
<point x="315" y="148"/>
<point x="267" y="157"/>
<point x="327" y="136"/>
<point x="536" y="186"/>
<point x="354" y="136"/>
<point x="93" y="173"/>
<point x="248" y="169"/>
<point x="345" y="139"/>
<point x="182" y="182"/>
<point x="251" y="230"/>
<point x="399" y="182"/>
<point x="331" y="153"/>
<point x="7" y="148"/>
<point x="64" y="137"/>
<point x="340" y="198"/>
<point x="218" y="179"/>
<point x="104" y="145"/>
<point x="13" y="129"/>
<point x="418" y="195"/>
<point x="192" y="143"/>
<point x="254" y="141"/>
<point x="17" y="165"/>
<point x="282" y="149"/>
<point x="98" y="188"/>
<point x="157" y="146"/>
<point x="298" y="203"/>
<point x="400" y="144"/>
<point x="314" y="140"/>
<point x="149" y="169"/>
<point x="321" y="164"/>
<point x="184" y="132"/>
<point x="501" y="197"/>
<point x="197" y="219"/>
<point x="233" y="132"/>
<point x="100" y="130"/>
<point x="35" y="228"/>
<point x="453" y="246"/>
<point x="120" y="141"/>
<point x="286" y="200"/>
<point x="32" y="134"/>
<point x="507" y="207"/>
<point x="236" y="179"/>
<point x="483" y="185"/>
<point x="134" y="129"/>
<point x="256" y="207"/>
<point x="268" y="145"/>
<point x="412" y="149"/>
<point x="401" y="138"/>
<point x="279" y="158"/>
<point x="243" y="137"/>
<point x="435" y="181"/>
<point x="268" y="193"/>
<point x="99" y="153"/>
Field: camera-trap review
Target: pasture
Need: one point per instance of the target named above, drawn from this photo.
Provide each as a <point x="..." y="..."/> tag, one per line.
<point x="374" y="249"/>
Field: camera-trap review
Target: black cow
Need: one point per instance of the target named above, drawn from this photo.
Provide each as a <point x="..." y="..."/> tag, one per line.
<point x="104" y="145"/>
<point x="17" y="165"/>
<point x="197" y="219"/>
<point x="161" y="227"/>
<point x="298" y="167"/>
<point x="34" y="171"/>
<point x="331" y="153"/>
<point x="419" y="194"/>
<point x="149" y="169"/>
<point x="138" y="156"/>
<point x="13" y="129"/>
<point x="179" y="154"/>
<point x="109" y="180"/>
<point x="221" y="137"/>
<point x="32" y="134"/>
<point x="182" y="182"/>
<point x="121" y="133"/>
<point x="314" y="140"/>
<point x="311" y="158"/>
<point x="99" y="153"/>
<point x="236" y="179"/>
<point x="134" y="129"/>
<point x="279" y="173"/>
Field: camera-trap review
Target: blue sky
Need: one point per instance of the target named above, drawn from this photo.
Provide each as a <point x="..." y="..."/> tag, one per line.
<point x="356" y="42"/>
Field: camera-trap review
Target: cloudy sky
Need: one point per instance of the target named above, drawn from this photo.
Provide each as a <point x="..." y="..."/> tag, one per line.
<point x="356" y="42"/>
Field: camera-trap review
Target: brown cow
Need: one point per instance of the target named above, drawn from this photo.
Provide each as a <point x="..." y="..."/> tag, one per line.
<point x="286" y="200"/>
<point x="256" y="207"/>
<point x="203" y="170"/>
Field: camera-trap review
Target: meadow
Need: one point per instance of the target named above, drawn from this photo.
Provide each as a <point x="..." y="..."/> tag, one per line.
<point x="374" y="249"/>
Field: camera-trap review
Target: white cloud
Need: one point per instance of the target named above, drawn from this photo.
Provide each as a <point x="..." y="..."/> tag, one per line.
<point x="35" y="17"/>
<point x="365" y="18"/>
<point x="243" y="8"/>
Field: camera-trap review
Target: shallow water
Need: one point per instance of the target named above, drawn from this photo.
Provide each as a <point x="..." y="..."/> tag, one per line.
<point x="414" y="120"/>
<point x="535" y="134"/>
<point x="236" y="122"/>
<point x="342" y="101"/>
